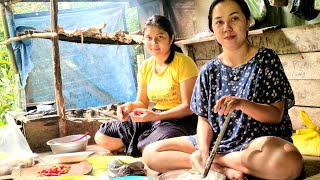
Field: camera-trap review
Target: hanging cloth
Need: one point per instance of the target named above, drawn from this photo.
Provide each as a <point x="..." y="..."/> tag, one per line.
<point x="304" y="9"/>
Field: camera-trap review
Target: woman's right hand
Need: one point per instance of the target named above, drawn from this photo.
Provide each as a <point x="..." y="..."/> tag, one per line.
<point x="123" y="111"/>
<point x="199" y="160"/>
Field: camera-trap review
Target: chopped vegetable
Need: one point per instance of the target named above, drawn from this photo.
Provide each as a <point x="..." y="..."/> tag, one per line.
<point x="135" y="112"/>
<point x="55" y="170"/>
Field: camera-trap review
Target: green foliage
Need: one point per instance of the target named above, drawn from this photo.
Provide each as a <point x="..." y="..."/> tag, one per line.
<point x="7" y="87"/>
<point x="1" y="33"/>
<point x="20" y="8"/>
<point x="132" y="20"/>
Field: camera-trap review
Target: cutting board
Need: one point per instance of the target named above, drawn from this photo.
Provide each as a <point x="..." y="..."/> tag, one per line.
<point x="31" y="173"/>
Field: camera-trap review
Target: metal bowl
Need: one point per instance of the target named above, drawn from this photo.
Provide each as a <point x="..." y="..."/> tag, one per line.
<point x="64" y="144"/>
<point x="185" y="174"/>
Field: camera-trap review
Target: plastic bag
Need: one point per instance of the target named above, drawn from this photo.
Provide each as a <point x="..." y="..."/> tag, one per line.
<point x="14" y="148"/>
<point x="307" y="140"/>
<point x="279" y="3"/>
<point x="304" y="9"/>
<point x="317" y="5"/>
<point x="118" y="168"/>
<point x="257" y="8"/>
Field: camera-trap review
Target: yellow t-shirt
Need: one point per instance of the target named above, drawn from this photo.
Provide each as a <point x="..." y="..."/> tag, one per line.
<point x="164" y="88"/>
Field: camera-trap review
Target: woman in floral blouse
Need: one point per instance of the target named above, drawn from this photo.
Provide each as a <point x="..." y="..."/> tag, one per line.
<point x="249" y="83"/>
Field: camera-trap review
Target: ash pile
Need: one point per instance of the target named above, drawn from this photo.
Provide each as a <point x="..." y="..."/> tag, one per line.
<point x="108" y="112"/>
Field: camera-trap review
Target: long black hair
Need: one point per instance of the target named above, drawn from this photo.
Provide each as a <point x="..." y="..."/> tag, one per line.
<point x="243" y="5"/>
<point x="164" y="24"/>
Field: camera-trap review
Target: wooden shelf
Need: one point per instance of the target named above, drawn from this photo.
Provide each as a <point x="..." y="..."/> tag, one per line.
<point x="90" y="40"/>
<point x="103" y="38"/>
<point x="211" y="38"/>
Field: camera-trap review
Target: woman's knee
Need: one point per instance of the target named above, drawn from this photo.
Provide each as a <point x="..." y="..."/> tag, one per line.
<point x="287" y="153"/>
<point x="277" y="155"/>
<point x="100" y="139"/>
<point x="107" y="142"/>
<point x="294" y="161"/>
<point x="149" y="153"/>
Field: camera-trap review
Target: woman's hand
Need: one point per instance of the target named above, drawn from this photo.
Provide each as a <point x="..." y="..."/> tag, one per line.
<point x="199" y="159"/>
<point x="227" y="104"/>
<point x="143" y="115"/>
<point x="123" y="111"/>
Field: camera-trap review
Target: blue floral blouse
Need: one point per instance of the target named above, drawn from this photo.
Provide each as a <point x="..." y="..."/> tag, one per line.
<point x="261" y="80"/>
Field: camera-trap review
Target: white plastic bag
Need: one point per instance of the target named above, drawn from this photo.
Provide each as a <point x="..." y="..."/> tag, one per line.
<point x="14" y="148"/>
<point x="317" y="5"/>
<point x="257" y="8"/>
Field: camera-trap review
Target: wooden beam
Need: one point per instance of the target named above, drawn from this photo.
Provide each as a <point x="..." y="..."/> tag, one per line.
<point x="161" y="7"/>
<point x="57" y="69"/>
<point x="306" y="92"/>
<point x="62" y="37"/>
<point x="302" y="65"/>
<point x="299" y="39"/>
<point x="12" y="58"/>
<point x="36" y="35"/>
<point x="89" y="40"/>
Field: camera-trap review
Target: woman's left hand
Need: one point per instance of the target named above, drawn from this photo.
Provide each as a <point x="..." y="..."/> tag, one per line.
<point x="227" y="104"/>
<point x="143" y="115"/>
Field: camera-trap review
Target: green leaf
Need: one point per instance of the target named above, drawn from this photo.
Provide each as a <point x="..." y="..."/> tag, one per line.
<point x="4" y="62"/>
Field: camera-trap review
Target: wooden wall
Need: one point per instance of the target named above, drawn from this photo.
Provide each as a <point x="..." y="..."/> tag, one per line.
<point x="299" y="51"/>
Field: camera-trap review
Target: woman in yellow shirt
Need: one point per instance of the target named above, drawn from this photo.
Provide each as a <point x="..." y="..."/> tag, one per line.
<point x="167" y="78"/>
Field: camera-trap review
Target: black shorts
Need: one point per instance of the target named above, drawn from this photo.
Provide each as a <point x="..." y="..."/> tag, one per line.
<point x="137" y="135"/>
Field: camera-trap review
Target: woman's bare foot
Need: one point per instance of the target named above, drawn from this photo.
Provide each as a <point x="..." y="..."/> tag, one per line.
<point x="228" y="172"/>
<point x="233" y="174"/>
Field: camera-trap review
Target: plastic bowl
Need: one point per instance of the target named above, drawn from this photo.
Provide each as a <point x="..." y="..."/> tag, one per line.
<point x="64" y="144"/>
<point x="186" y="174"/>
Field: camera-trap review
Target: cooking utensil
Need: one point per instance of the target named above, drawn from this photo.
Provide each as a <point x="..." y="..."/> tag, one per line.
<point x="85" y="135"/>
<point x="216" y="145"/>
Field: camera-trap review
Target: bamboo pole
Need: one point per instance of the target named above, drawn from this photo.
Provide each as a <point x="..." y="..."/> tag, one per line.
<point x="11" y="56"/>
<point x="57" y="69"/>
<point x="28" y="36"/>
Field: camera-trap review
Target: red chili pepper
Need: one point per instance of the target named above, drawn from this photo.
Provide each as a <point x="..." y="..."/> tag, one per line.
<point x="55" y="170"/>
<point x="135" y="112"/>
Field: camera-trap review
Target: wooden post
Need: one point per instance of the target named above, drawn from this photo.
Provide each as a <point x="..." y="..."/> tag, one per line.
<point x="57" y="69"/>
<point x="12" y="58"/>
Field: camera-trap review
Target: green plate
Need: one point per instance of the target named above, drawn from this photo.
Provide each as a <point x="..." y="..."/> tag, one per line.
<point x="80" y="177"/>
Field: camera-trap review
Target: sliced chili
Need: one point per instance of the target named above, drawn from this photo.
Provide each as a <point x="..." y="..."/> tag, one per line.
<point x="55" y="170"/>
